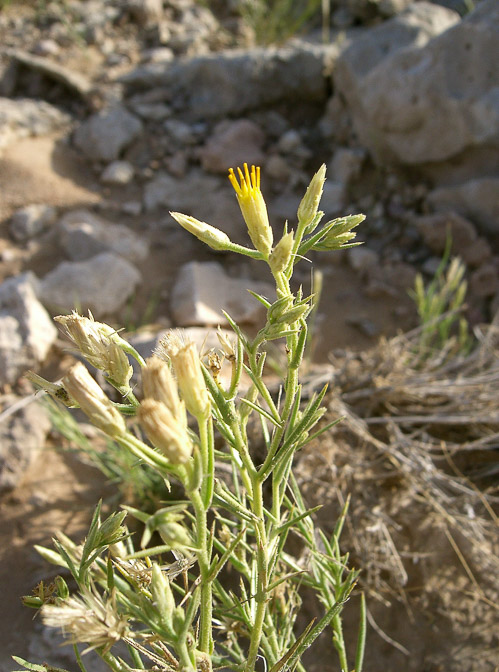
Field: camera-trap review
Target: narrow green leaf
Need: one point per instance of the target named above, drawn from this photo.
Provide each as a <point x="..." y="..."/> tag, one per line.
<point x="262" y="412"/>
<point x="260" y="298"/>
<point x="361" y="639"/>
<point x="225" y="557"/>
<point x="296" y="519"/>
<point x="289" y="655"/>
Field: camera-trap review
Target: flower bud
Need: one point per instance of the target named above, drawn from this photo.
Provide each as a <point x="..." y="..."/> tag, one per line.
<point x="309" y="205"/>
<point x="187" y="367"/>
<point x="164" y="431"/>
<point x="281" y="254"/>
<point x="253" y="207"/>
<point x="213" y="237"/>
<point x="162" y="595"/>
<point x="81" y="387"/>
<point x="158" y="383"/>
<point x="99" y="344"/>
<point x="340" y="233"/>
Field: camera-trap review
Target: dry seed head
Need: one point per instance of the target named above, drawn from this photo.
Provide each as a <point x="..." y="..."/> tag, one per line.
<point x="158" y="383"/>
<point x="99" y="344"/>
<point x="165" y="432"/>
<point x="81" y="387"/>
<point x="213" y="237"/>
<point x="253" y="207"/>
<point x="88" y="619"/>
<point x="226" y="345"/>
<point x="310" y="202"/>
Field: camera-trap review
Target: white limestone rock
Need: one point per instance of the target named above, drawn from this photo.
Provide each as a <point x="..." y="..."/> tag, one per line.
<point x="203" y="290"/>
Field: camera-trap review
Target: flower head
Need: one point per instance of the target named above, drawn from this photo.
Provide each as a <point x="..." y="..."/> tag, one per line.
<point x="89" y="619"/>
<point x="253" y="207"/>
<point x="165" y="431"/>
<point x="186" y="363"/>
<point x="158" y="383"/>
<point x="81" y="387"/>
<point x="99" y="344"/>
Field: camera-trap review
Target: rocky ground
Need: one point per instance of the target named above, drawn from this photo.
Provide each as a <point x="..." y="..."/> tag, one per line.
<point x="114" y="113"/>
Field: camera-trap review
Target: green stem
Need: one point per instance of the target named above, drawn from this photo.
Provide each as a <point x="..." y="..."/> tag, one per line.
<point x="205" y="643"/>
<point x="339" y="642"/>
<point x="262" y="579"/>
<point x="186" y="664"/>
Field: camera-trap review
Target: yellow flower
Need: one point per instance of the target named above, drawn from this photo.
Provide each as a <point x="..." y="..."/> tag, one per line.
<point x="253" y="207"/>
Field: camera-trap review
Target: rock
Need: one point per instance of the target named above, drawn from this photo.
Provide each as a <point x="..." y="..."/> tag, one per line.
<point x="476" y="199"/>
<point x="83" y="235"/>
<point x="103" y="136"/>
<point x="362" y="258"/>
<point x="484" y="281"/>
<point x="31" y="220"/>
<point x="284" y="207"/>
<point x="390" y="280"/>
<point x="47" y="48"/>
<point x="232" y="144"/>
<point x="145" y="12"/>
<point x="346" y="164"/>
<point x="21" y="118"/>
<point x="22" y="436"/>
<point x="479" y="252"/>
<point x="235" y="81"/>
<point x="203" y="290"/>
<point x="183" y="195"/>
<point x="101" y="284"/>
<point x="26" y="331"/>
<point x="204" y="196"/>
<point x="118" y="172"/>
<point x="425" y="98"/>
<point x="74" y="81"/>
<point x="290" y="142"/>
<point x="333" y="198"/>
<point x="181" y="132"/>
<point x="278" y="168"/>
<point x="434" y="230"/>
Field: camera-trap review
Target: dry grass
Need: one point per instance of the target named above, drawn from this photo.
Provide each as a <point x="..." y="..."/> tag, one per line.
<point x="418" y="452"/>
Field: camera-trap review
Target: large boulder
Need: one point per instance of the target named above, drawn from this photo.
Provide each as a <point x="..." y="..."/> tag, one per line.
<point x="423" y="90"/>
<point x="101" y="284"/>
<point x="235" y="81"/>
